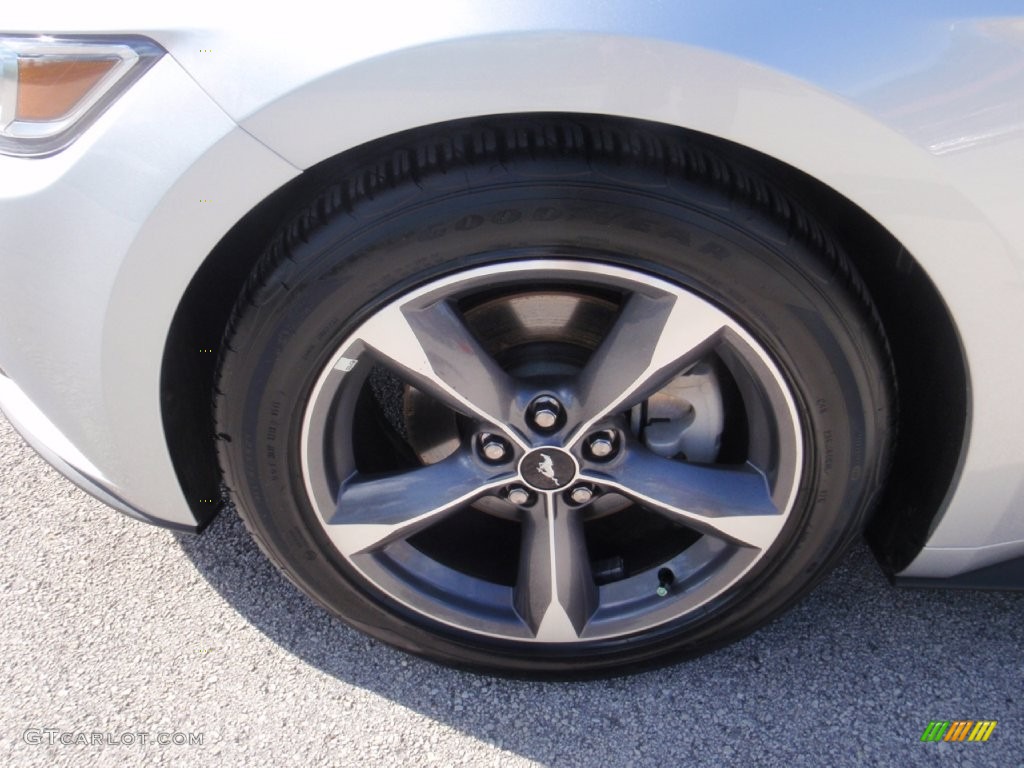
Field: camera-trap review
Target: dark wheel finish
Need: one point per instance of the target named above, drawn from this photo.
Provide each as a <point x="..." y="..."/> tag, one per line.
<point x="554" y="399"/>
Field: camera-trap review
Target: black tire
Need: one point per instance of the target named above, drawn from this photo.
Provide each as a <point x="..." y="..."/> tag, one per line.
<point x="798" y="392"/>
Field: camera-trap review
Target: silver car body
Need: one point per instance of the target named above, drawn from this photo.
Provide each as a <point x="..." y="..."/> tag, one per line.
<point x="912" y="111"/>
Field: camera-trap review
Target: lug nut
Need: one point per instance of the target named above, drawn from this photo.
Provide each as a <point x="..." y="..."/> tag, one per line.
<point x="545" y="418"/>
<point x="581" y="494"/>
<point x="518" y="496"/>
<point x="493" y="448"/>
<point x="545" y="413"/>
<point x="602" y="445"/>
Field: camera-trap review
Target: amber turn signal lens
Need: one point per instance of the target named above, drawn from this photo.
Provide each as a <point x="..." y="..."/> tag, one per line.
<point x="53" y="88"/>
<point x="49" y="88"/>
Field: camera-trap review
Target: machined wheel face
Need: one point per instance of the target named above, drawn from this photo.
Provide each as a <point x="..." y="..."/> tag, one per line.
<point x="583" y="452"/>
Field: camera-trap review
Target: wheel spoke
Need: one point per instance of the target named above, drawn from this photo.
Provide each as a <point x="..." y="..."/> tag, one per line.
<point x="555" y="592"/>
<point x="653" y="339"/>
<point x="376" y="511"/>
<point x="731" y="503"/>
<point x="435" y="351"/>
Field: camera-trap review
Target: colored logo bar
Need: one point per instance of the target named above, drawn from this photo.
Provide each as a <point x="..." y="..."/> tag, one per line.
<point x="958" y="730"/>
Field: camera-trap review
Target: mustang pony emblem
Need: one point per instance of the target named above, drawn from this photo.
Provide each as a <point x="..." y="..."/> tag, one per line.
<point x="547" y="468"/>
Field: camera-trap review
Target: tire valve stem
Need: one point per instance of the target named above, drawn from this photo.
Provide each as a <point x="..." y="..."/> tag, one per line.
<point x="665" y="580"/>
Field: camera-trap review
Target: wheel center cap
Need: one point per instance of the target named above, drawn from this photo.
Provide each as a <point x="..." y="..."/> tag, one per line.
<point x="548" y="469"/>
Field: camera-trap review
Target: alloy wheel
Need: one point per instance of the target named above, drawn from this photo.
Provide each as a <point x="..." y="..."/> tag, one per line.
<point x="581" y="452"/>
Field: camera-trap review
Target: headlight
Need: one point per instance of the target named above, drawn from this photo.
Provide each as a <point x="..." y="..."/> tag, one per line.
<point x="53" y="88"/>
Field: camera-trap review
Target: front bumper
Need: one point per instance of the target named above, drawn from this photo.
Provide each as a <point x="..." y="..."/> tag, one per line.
<point x="97" y="246"/>
<point x="50" y="443"/>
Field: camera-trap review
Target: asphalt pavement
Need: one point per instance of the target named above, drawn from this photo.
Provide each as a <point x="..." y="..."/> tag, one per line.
<point x="117" y="636"/>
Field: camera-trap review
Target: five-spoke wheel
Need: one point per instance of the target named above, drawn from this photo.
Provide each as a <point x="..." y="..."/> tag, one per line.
<point x="556" y="448"/>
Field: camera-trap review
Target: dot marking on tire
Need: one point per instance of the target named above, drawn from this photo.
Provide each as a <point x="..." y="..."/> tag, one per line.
<point x="345" y="364"/>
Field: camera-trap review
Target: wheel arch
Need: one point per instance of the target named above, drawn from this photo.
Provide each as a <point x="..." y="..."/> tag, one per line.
<point x="931" y="369"/>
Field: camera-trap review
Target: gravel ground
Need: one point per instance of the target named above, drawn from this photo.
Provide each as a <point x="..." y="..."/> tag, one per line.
<point x="114" y="627"/>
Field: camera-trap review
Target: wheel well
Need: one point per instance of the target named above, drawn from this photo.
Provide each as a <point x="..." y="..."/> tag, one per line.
<point x="930" y="368"/>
